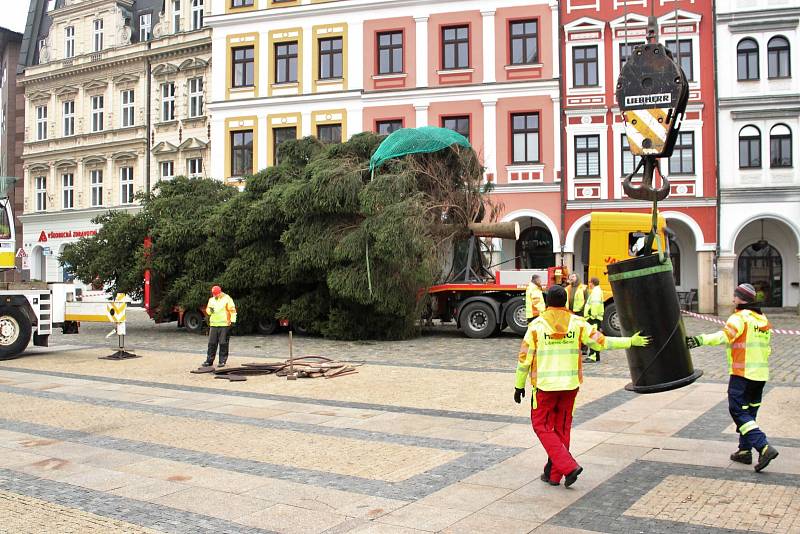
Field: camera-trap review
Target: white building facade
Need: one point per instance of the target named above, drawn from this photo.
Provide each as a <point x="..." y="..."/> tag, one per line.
<point x="759" y="112"/>
<point x="115" y="96"/>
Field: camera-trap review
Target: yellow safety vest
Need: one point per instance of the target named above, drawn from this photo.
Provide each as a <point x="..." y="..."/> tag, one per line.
<point x="579" y="300"/>
<point x="221" y="311"/>
<point x="748" y="337"/>
<point x="595" y="308"/>
<point x="558" y="356"/>
<point x="534" y="301"/>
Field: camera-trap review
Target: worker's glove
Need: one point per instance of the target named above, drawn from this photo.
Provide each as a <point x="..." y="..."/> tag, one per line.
<point x="640" y="341"/>
<point x="692" y="342"/>
<point x="518" y="394"/>
<point x="210" y="310"/>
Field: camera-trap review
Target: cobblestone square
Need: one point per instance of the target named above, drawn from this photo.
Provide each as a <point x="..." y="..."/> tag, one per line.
<point x="425" y="438"/>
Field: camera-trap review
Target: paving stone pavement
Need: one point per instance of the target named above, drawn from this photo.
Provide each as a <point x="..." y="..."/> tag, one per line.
<point x="425" y="438"/>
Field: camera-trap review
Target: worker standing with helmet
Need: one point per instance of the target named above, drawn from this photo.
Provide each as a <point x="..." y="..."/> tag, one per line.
<point x="576" y="294"/>
<point x="551" y="355"/>
<point x="221" y="313"/>
<point x="747" y="335"/>
<point x="534" y="298"/>
<point x="594" y="311"/>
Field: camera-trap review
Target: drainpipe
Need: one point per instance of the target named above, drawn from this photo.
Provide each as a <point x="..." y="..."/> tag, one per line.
<point x="149" y="120"/>
<point x="716" y="145"/>
<point x="563" y="155"/>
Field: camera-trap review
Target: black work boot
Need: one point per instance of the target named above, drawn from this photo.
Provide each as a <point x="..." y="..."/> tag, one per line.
<point x="545" y="477"/>
<point x="767" y="454"/>
<point x="742" y="456"/>
<point x="571" y="478"/>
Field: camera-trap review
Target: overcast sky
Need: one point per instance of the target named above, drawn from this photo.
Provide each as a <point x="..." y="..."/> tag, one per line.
<point x="14" y="14"/>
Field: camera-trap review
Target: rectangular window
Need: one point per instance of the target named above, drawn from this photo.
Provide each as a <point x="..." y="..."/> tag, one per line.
<point x="195" y="97"/>
<point x="40" y="186"/>
<point x="682" y="159"/>
<point x="629" y="160"/>
<point x="329" y="133"/>
<point x="749" y="151"/>
<point x="390" y="53"/>
<point x="97" y="187"/>
<point x="176" y="16"/>
<point x="584" y="66"/>
<point x="241" y="3"/>
<point x="145" y="24"/>
<point x="457" y="124"/>
<point x="194" y="167"/>
<point x="126" y="185"/>
<point x="68" y="191"/>
<point x="69" y="42"/>
<point x="279" y="135"/>
<point x="587" y="156"/>
<point x="243" y="65"/>
<point x="168" y="101"/>
<point x="455" y="47"/>
<point x="387" y="127"/>
<point x="330" y="58"/>
<point x="625" y="51"/>
<point x="197" y="14"/>
<point x="525" y="137"/>
<point x="286" y="62"/>
<point x="97" y="36"/>
<point x="242" y="153"/>
<point x="686" y="56"/>
<point x="127" y="108"/>
<point x="167" y="170"/>
<point x="97" y="113"/>
<point x="69" y="118"/>
<point x="41" y="123"/>
<point x="524" y="45"/>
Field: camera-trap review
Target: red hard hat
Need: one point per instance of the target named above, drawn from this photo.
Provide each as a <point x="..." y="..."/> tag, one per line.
<point x="216" y="290"/>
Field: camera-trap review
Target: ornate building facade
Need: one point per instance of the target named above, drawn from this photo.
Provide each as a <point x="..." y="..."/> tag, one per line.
<point x="115" y="101"/>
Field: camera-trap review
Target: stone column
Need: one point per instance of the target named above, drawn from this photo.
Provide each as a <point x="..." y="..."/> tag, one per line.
<point x="568" y="259"/>
<point x="705" y="281"/>
<point x="422" y="51"/>
<point x="726" y="282"/>
<point x="421" y="115"/>
<point x="489" y="46"/>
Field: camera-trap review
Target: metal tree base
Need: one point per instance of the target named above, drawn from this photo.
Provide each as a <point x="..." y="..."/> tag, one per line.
<point x="121" y="353"/>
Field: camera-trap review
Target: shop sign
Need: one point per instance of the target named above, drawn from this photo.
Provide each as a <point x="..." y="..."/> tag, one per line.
<point x="69" y="234"/>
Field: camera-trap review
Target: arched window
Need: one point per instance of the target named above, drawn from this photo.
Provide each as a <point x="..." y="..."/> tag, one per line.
<point x="778" y="57"/>
<point x="747" y="59"/>
<point x="749" y="148"/>
<point x="780" y="146"/>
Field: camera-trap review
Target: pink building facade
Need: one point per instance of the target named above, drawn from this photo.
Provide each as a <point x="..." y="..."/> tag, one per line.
<point x="486" y="69"/>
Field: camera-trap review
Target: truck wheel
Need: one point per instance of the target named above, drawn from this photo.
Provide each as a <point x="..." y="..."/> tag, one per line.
<point x="193" y="321"/>
<point x="515" y="317"/>
<point x="267" y="326"/>
<point x="478" y="320"/>
<point x="611" y="326"/>
<point x="15" y="332"/>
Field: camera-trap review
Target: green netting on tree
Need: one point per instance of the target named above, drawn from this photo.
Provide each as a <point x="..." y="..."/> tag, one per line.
<point x="415" y="141"/>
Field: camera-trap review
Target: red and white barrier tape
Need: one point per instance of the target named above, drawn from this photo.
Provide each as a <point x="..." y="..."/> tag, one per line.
<point x="717" y="320"/>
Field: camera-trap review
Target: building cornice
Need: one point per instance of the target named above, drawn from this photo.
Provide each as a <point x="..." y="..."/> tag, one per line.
<point x="637" y="204"/>
<point x="78" y="214"/>
<point x="757" y="15"/>
<point x="79" y="8"/>
<point x="768" y="101"/>
<point x="92" y="148"/>
<point x="772" y="113"/>
<point x="530" y="188"/>
<point x="760" y="194"/>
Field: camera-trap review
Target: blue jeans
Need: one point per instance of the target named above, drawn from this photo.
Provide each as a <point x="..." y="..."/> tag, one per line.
<point x="744" y="399"/>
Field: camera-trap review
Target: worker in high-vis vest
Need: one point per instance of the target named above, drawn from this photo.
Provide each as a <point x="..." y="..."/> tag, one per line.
<point x="593" y="311"/>
<point x="576" y="294"/>
<point x="534" y="298"/>
<point x="550" y="355"/>
<point x="747" y="334"/>
<point x="221" y="313"/>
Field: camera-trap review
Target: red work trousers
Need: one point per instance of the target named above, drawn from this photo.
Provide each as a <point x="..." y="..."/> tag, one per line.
<point x="552" y="423"/>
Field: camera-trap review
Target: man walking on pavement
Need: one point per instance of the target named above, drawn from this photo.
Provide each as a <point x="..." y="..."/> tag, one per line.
<point x="551" y="355"/>
<point x="747" y="335"/>
<point x="594" y="311"/>
<point x="221" y="313"/>
<point x="534" y="299"/>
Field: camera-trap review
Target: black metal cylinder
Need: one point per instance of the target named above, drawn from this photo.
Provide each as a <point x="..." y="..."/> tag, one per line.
<point x="647" y="302"/>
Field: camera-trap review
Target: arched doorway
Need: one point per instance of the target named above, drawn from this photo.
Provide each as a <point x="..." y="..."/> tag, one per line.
<point x="761" y="265"/>
<point x="535" y="248"/>
<point x="38" y="264"/>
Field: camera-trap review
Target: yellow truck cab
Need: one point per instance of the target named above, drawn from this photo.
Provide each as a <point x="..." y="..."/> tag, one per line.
<point x="614" y="237"/>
